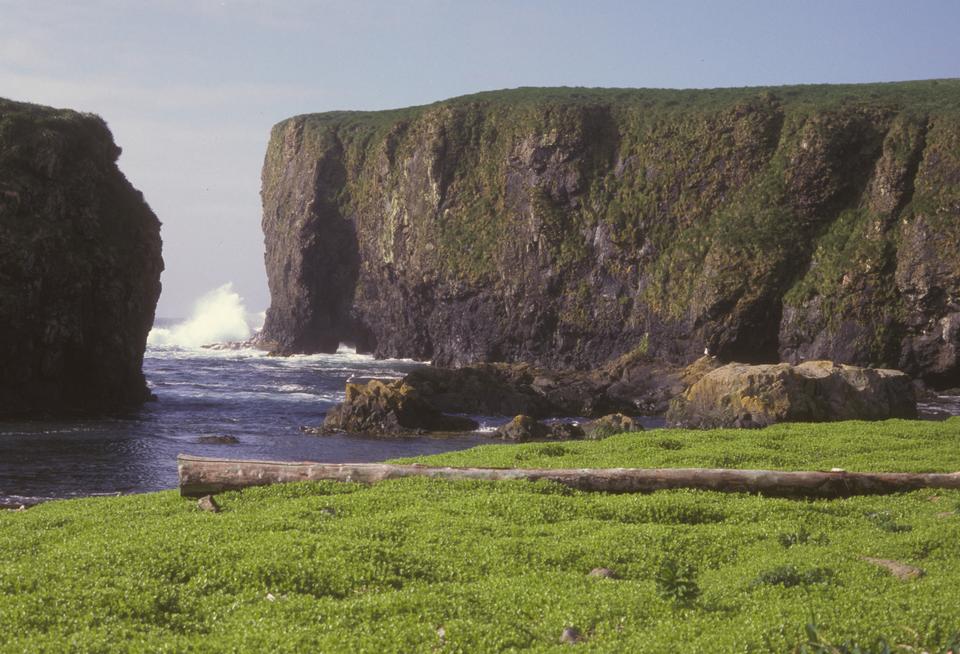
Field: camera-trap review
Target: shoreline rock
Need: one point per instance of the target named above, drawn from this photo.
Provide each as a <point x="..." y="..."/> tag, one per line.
<point x="523" y="429"/>
<point x="741" y="395"/>
<point x="615" y="423"/>
<point x="422" y="400"/>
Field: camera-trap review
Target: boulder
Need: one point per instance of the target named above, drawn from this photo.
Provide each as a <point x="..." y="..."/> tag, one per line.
<point x="615" y="423"/>
<point x="631" y="384"/>
<point x="740" y="395"/>
<point x="603" y="573"/>
<point x="524" y="428"/>
<point x="566" y="431"/>
<point x="902" y="571"/>
<point x="390" y="408"/>
<point x="209" y="504"/>
<point x="217" y="439"/>
<point x="571" y="636"/>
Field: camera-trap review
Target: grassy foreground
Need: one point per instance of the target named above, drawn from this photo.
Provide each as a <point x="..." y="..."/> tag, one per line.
<point x="423" y="565"/>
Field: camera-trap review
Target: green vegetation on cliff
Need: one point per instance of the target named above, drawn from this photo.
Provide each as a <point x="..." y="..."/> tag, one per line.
<point x="428" y="565"/>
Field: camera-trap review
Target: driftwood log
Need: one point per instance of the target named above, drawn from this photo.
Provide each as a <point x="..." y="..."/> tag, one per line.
<point x="203" y="476"/>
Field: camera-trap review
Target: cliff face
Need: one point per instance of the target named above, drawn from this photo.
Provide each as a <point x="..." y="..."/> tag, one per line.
<point x="565" y="227"/>
<point x="79" y="266"/>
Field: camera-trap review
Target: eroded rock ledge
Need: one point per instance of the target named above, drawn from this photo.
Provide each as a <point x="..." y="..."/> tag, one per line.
<point x="80" y="266"/>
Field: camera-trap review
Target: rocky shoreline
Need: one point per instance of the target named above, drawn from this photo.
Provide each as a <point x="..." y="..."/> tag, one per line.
<point x="705" y="394"/>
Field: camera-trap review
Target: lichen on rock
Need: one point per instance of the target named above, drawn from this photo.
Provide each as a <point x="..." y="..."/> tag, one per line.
<point x="740" y="395"/>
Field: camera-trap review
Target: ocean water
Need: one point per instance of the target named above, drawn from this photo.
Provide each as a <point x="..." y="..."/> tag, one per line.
<point x="258" y="400"/>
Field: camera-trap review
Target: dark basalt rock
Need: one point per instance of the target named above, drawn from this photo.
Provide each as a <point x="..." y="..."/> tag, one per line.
<point x="218" y="439"/>
<point x="486" y="389"/>
<point x="80" y="266"/>
<point x="565" y="228"/>
<point x="631" y="384"/>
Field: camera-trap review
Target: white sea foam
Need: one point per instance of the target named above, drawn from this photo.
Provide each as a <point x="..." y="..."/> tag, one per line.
<point x="218" y="317"/>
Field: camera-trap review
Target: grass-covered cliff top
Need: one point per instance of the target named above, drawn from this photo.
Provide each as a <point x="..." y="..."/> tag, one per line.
<point x="33" y="138"/>
<point x="938" y="95"/>
<point x="18" y="118"/>
<point x="419" y="565"/>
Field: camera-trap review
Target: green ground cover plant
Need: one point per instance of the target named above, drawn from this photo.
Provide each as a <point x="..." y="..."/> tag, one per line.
<point x="419" y="565"/>
<point x="887" y="446"/>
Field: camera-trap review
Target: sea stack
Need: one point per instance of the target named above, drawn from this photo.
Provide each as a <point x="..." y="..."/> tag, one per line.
<point x="567" y="227"/>
<point x="80" y="266"/>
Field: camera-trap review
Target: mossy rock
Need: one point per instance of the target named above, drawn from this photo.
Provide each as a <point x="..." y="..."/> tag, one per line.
<point x="741" y="395"/>
<point x="615" y="423"/>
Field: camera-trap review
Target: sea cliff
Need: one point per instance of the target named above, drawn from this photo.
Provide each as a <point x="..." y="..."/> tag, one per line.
<point x="80" y="266"/>
<point x="565" y="227"/>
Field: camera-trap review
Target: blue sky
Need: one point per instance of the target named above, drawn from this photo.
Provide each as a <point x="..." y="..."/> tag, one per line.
<point x="190" y="89"/>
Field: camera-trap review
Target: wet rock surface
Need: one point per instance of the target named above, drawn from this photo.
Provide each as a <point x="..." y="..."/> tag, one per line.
<point x="80" y="267"/>
<point x="741" y="395"/>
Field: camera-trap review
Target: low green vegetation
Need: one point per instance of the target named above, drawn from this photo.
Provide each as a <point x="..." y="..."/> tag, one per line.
<point x="422" y="565"/>
<point x="888" y="446"/>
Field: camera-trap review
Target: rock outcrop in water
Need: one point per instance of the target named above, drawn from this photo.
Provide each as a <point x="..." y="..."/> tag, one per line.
<point x="80" y="266"/>
<point x="566" y="227"/>
<point x="390" y="408"/>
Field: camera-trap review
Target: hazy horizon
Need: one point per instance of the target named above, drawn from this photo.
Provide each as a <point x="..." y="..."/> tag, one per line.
<point x="191" y="89"/>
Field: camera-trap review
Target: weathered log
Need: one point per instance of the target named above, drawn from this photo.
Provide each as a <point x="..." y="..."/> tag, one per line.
<point x="202" y="476"/>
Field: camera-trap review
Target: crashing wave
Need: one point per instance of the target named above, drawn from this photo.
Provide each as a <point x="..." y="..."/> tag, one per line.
<point x="218" y="317"/>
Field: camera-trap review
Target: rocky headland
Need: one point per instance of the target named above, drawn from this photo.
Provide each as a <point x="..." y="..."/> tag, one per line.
<point x="567" y="227"/>
<point x="80" y="266"/>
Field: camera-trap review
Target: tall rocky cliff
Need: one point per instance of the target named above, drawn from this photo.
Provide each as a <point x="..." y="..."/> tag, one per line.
<point x="568" y="226"/>
<point x="80" y="266"/>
